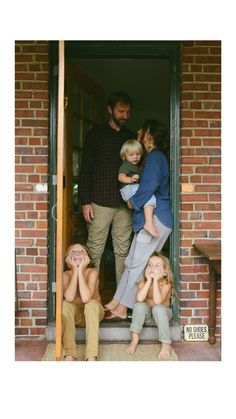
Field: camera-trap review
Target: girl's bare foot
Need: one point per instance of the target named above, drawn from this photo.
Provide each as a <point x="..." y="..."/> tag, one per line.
<point x="92" y="358"/>
<point x="151" y="229"/>
<point x="111" y="305"/>
<point x="165" y="351"/>
<point x="69" y="358"/>
<point x="131" y="348"/>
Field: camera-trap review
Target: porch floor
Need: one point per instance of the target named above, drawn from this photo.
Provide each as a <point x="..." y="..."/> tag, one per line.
<point x="32" y="349"/>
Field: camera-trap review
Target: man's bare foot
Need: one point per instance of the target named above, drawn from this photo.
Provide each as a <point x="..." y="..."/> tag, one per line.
<point x="69" y="358"/>
<point x="111" y="305"/>
<point x="165" y="351"/>
<point x="120" y="311"/>
<point x="92" y="358"/>
<point x="151" y="229"/>
<point x="131" y="348"/>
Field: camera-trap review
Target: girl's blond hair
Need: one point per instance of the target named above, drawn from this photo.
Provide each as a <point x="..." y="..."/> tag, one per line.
<point x="131" y="146"/>
<point x="169" y="277"/>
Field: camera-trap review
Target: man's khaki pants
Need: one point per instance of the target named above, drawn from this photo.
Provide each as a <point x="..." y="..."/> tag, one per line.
<point x="120" y="220"/>
<point x="88" y="315"/>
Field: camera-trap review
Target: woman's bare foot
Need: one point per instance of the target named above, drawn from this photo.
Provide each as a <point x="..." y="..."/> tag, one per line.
<point x="92" y="358"/>
<point x="120" y="311"/>
<point x="69" y="358"/>
<point x="131" y="348"/>
<point x="111" y="305"/>
<point x="151" y="229"/>
<point x="165" y="351"/>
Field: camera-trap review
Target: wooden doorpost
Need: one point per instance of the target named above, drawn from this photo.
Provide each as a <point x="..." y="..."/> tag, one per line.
<point x="59" y="230"/>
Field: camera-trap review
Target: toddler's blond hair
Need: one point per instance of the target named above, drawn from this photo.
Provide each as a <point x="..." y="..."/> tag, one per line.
<point x="131" y="146"/>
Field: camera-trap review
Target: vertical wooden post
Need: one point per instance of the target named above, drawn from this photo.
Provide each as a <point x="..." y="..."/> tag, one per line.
<point x="59" y="238"/>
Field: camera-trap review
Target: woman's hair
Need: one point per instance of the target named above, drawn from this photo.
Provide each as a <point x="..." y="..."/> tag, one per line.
<point x="91" y="263"/>
<point x="158" y="132"/>
<point x="131" y="146"/>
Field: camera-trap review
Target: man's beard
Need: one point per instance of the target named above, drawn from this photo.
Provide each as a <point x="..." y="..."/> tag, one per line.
<point x="119" y="122"/>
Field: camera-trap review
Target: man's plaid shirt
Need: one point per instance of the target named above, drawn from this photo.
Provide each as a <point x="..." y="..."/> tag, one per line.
<point x="98" y="180"/>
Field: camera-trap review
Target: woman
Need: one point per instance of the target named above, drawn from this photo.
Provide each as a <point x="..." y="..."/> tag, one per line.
<point x="154" y="179"/>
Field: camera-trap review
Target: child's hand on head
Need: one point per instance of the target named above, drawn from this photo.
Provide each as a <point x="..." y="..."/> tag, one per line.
<point x="160" y="273"/>
<point x="70" y="262"/>
<point x="147" y="275"/>
<point x="84" y="263"/>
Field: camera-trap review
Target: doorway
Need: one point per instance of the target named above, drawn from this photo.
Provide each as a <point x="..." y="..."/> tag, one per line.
<point x="149" y="73"/>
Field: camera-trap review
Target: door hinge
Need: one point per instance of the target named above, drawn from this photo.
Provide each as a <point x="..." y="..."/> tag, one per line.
<point x="54" y="180"/>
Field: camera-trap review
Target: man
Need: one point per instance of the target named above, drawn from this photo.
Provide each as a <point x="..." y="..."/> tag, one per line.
<point x="101" y="202"/>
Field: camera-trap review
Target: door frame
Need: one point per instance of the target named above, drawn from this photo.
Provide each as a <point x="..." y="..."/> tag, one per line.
<point x="116" y="49"/>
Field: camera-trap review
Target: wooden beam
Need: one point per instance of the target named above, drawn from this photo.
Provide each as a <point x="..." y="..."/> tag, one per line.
<point x="59" y="236"/>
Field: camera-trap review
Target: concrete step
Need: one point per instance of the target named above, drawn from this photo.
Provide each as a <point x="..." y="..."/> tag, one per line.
<point x="118" y="331"/>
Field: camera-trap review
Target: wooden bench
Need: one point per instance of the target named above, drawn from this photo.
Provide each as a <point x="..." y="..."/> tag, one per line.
<point x="212" y="251"/>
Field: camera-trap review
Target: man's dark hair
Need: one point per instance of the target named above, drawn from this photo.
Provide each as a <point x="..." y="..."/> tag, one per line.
<point x="117" y="97"/>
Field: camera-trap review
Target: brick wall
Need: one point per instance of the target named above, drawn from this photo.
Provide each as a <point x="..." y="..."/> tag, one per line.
<point x="31" y="120"/>
<point x="200" y="173"/>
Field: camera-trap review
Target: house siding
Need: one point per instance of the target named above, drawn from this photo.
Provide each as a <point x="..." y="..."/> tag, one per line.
<point x="200" y="170"/>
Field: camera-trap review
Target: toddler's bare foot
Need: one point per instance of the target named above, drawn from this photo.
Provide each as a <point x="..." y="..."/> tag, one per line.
<point x="69" y="358"/>
<point x="131" y="348"/>
<point x="92" y="358"/>
<point x="151" y="229"/>
<point x="111" y="305"/>
<point x="165" y="351"/>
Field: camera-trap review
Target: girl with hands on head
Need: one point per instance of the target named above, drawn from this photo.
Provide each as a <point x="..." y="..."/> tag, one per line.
<point x="153" y="304"/>
<point x="82" y="302"/>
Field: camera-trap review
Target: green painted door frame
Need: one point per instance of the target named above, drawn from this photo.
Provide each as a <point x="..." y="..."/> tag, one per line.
<point x="117" y="49"/>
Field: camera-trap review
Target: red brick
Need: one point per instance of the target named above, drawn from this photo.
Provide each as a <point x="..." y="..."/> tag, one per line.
<point x="207" y="225"/>
<point x="41" y="169"/>
<point x="212" y="179"/>
<point x="32" y="251"/>
<point x="34" y="269"/>
<point x="207" y="207"/>
<point x="194" y="286"/>
<point x="23" y="313"/>
<point x="193" y="268"/>
<point x="39" y="313"/>
<point x="33" y="304"/>
<point x="194" y="198"/>
<point x="41" y="242"/>
<point x="37" y="331"/>
<point x="212" y="216"/>
<point x="194" y="303"/>
<point x="26" y="322"/>
<point x="22" y="331"/>
<point x="207" y="188"/>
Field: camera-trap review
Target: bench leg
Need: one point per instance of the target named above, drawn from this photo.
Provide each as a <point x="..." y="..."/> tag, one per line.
<point x="212" y="306"/>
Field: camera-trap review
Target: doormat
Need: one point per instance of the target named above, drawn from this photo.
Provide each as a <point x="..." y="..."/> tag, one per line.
<point x="115" y="352"/>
